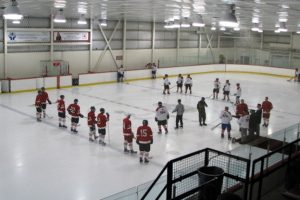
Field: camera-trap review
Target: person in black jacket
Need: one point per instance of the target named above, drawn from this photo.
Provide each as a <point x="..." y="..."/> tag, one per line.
<point x="258" y="114"/>
<point x="252" y="124"/>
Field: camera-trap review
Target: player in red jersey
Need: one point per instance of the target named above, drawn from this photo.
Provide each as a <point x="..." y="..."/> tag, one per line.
<point x="144" y="139"/>
<point x="128" y="134"/>
<point x="266" y="108"/>
<point x="38" y="106"/>
<point x="91" y="120"/>
<point x="45" y="98"/>
<point x="241" y="108"/>
<point x="61" y="108"/>
<point x="101" y="123"/>
<point x="74" y="111"/>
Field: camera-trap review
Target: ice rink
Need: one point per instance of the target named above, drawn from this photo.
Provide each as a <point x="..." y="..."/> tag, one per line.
<point x="42" y="161"/>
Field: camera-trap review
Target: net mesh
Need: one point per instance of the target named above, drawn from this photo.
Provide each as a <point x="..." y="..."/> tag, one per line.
<point x="55" y="68"/>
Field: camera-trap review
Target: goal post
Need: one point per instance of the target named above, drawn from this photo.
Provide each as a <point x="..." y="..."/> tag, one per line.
<point x="55" y="68"/>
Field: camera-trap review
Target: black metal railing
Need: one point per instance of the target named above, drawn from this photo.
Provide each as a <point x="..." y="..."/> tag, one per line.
<point x="182" y="174"/>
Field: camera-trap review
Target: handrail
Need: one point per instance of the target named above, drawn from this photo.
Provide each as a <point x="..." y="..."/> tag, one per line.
<point x="154" y="182"/>
<point x="275" y="151"/>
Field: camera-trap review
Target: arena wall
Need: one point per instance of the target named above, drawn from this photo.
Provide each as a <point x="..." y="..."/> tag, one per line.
<point x="29" y="84"/>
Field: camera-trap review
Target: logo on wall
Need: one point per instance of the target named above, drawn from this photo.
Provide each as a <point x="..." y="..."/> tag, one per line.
<point x="12" y="36"/>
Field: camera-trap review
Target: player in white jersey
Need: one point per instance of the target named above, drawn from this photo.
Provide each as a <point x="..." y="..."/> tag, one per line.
<point x="244" y="126"/>
<point x="216" y="89"/>
<point x="166" y="84"/>
<point x="161" y="117"/>
<point x="153" y="70"/>
<point x="179" y="83"/>
<point x="238" y="93"/>
<point x="226" y="90"/>
<point x="188" y="84"/>
<point x="226" y="117"/>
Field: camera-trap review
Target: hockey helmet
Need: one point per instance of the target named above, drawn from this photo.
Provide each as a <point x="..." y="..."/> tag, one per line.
<point x="160" y="103"/>
<point x="75" y="100"/>
<point x="43" y="88"/>
<point x="93" y="108"/>
<point x="102" y="110"/>
<point x="62" y="96"/>
<point x="145" y="122"/>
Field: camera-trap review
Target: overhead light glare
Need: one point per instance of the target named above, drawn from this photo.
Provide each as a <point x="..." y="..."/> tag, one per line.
<point x="237" y="29"/>
<point x="198" y="24"/>
<point x="16" y="21"/>
<point x="222" y="29"/>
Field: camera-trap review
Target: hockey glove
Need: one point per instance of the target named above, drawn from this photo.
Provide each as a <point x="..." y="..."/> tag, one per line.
<point x="80" y="115"/>
<point x="168" y="116"/>
<point x="156" y="119"/>
<point x="49" y="102"/>
<point x="107" y="115"/>
<point x="137" y="142"/>
<point x="151" y="142"/>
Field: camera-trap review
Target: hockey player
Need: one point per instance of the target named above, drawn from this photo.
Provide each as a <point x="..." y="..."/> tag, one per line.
<point x="120" y="74"/>
<point x="166" y="84"/>
<point x="61" y="108"/>
<point x="74" y="111"/>
<point x="144" y="139"/>
<point x="45" y="98"/>
<point x="179" y="109"/>
<point x="225" y="117"/>
<point x="161" y="117"/>
<point x="226" y="90"/>
<point x="188" y="84"/>
<point x="266" y="108"/>
<point x="258" y="114"/>
<point x="244" y="126"/>
<point x="238" y="93"/>
<point x="201" y="110"/>
<point x="240" y="108"/>
<point x="128" y="135"/>
<point x="38" y="106"/>
<point x="91" y="120"/>
<point x="216" y="89"/>
<point x="179" y="83"/>
<point x="153" y="70"/>
<point x="101" y="123"/>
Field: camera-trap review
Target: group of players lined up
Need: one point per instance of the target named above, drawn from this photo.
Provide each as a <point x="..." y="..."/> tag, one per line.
<point x="249" y="122"/>
<point x="188" y="83"/>
<point x="144" y="137"/>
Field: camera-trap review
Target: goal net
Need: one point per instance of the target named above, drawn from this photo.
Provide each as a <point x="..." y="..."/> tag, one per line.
<point x="55" y="68"/>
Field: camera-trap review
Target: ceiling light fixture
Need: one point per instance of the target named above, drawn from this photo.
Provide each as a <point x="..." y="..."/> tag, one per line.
<point x="198" y="21"/>
<point x="255" y="27"/>
<point x="103" y="22"/>
<point x="59" y="17"/>
<point x="229" y="20"/>
<point x="213" y="28"/>
<point x="12" y="12"/>
<point x="282" y="27"/>
<point x="237" y="29"/>
<point x="185" y="23"/>
<point x="222" y="29"/>
<point x="82" y="20"/>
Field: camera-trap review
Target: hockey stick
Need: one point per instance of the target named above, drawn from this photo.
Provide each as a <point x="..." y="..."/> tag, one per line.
<point x="50" y="117"/>
<point x="108" y="134"/>
<point x="209" y="96"/>
<point x="214" y="127"/>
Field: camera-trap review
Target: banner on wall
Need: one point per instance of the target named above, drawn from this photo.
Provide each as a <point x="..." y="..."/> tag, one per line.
<point x="14" y="37"/>
<point x="69" y="36"/>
